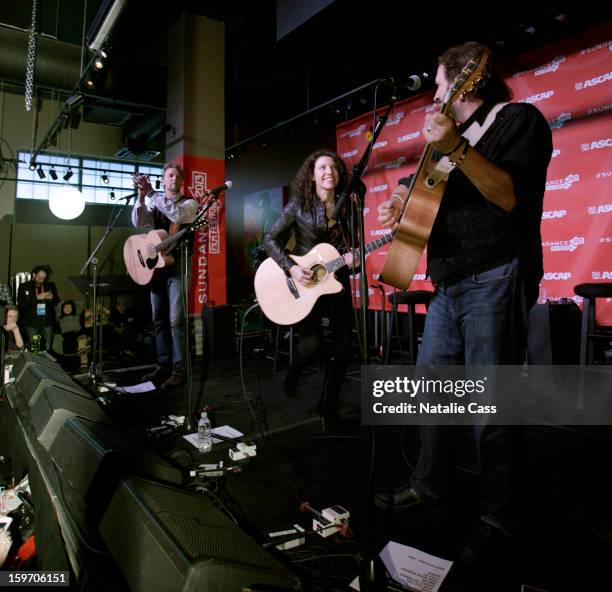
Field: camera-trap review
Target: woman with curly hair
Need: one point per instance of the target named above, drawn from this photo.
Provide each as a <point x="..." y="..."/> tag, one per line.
<point x="308" y="218"/>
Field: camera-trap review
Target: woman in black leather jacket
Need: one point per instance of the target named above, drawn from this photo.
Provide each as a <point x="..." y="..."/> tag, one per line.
<point x="308" y="217"/>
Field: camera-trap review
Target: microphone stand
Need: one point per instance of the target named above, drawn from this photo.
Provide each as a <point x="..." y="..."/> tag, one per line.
<point x="95" y="368"/>
<point x="355" y="185"/>
<point x="185" y="272"/>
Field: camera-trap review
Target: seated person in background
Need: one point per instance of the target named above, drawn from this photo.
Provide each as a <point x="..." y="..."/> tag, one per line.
<point x="10" y="330"/>
<point x="37" y="299"/>
<point x="5" y="295"/>
<point x="70" y="326"/>
<point x="122" y="322"/>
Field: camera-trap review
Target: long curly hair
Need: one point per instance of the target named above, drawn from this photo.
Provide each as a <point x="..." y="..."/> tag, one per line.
<point x="303" y="186"/>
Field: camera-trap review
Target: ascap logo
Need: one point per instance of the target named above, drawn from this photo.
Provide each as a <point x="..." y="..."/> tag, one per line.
<point x="593" y="81"/>
<point x="378" y="232"/>
<point x="380" y="144"/>
<point x="553" y="66"/>
<point x="375" y="276"/>
<point x="568" y="245"/>
<point x="596" y="145"/>
<point x="349" y="153"/>
<point x="539" y="97"/>
<point x="426" y="108"/>
<point x="393" y="164"/>
<point x="408" y="137"/>
<point x="562" y="183"/>
<point x="419" y="277"/>
<point x="557" y="275"/>
<point x="354" y="133"/>
<point x="602" y="209"/>
<point x="555" y="153"/>
<point x="559" y="122"/>
<point x="601" y="275"/>
<point x="366" y="211"/>
<point x="397" y="118"/>
<point x="603" y="174"/>
<point x="549" y="215"/>
<point x="379" y="188"/>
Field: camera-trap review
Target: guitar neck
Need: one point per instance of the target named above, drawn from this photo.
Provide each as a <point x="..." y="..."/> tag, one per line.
<point x="339" y="262"/>
<point x="171" y="240"/>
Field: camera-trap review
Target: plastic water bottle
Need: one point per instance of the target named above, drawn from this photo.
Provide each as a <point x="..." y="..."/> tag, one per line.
<point x="204" y="433"/>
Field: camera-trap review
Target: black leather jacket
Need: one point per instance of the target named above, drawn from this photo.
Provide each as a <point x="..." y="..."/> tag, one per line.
<point x="309" y="226"/>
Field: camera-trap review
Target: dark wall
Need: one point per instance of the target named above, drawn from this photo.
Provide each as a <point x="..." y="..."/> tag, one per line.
<point x="256" y="168"/>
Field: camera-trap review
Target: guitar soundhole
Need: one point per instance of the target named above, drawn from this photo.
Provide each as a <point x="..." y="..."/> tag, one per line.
<point x="318" y="273"/>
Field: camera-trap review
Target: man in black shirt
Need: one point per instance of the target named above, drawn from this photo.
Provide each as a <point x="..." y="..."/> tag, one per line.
<point x="484" y="257"/>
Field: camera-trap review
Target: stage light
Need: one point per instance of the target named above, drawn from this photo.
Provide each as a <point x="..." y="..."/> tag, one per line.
<point x="40" y="172"/>
<point x="66" y="202"/>
<point x="104" y="178"/>
<point x="112" y="195"/>
<point x="157" y="183"/>
<point x="53" y="173"/>
<point x="89" y="82"/>
<point x="32" y="165"/>
<point x="100" y="60"/>
<point x="68" y="174"/>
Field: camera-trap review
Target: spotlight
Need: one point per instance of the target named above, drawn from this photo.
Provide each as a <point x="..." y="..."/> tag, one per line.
<point x="40" y="172"/>
<point x="32" y="165"/>
<point x="100" y="60"/>
<point x="53" y="173"/>
<point x="89" y="82"/>
<point x="157" y="183"/>
<point x="104" y="178"/>
<point x="68" y="174"/>
<point x="112" y="195"/>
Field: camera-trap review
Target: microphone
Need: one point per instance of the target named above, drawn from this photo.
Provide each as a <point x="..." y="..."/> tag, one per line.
<point x="217" y="190"/>
<point x="128" y="197"/>
<point x="413" y="82"/>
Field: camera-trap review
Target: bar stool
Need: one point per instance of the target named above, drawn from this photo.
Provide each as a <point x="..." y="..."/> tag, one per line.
<point x="411" y="299"/>
<point x="590" y="331"/>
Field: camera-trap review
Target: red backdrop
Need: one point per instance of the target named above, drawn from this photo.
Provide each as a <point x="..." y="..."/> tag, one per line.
<point x="208" y="269"/>
<point x="571" y="83"/>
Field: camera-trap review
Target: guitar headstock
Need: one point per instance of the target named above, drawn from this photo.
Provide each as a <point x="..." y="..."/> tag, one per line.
<point x="466" y="81"/>
<point x="200" y="220"/>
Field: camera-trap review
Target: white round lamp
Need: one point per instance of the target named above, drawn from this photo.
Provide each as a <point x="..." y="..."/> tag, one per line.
<point x="66" y="202"/>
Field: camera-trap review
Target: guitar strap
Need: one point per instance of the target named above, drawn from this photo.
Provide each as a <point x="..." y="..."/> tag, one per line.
<point x="472" y="134"/>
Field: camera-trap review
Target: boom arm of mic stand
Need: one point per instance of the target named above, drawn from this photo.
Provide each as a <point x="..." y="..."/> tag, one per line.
<point x="359" y="168"/>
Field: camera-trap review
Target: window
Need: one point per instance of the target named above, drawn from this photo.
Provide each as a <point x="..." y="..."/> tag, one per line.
<point x="87" y="176"/>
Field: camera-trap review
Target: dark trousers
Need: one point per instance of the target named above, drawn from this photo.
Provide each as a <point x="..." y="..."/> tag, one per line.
<point x="338" y="308"/>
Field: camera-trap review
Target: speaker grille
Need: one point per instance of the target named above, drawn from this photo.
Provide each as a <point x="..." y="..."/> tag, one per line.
<point x="198" y="527"/>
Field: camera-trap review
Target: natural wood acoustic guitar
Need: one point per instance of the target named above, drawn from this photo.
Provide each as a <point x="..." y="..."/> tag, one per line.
<point x="422" y="199"/>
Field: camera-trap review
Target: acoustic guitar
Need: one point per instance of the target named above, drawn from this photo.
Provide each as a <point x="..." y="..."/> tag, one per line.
<point x="422" y="199"/>
<point x="286" y="302"/>
<point x="144" y="253"/>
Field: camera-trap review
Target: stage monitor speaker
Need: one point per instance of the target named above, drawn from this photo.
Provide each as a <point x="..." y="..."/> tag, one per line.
<point x="54" y="405"/>
<point x="26" y="359"/>
<point x="92" y="458"/>
<point x="166" y="539"/>
<point x="33" y="379"/>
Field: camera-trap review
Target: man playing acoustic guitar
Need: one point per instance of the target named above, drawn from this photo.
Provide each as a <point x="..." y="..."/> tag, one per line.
<point x="168" y="211"/>
<point x="484" y="257"/>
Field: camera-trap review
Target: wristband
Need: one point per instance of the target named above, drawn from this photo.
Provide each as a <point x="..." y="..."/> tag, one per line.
<point x="396" y="196"/>
<point x="461" y="140"/>
<point x="459" y="161"/>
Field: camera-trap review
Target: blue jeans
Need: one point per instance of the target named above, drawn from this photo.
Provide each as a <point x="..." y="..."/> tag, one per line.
<point x="169" y="318"/>
<point x="480" y="320"/>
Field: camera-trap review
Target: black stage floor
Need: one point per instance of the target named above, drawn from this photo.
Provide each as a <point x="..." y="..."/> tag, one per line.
<point x="566" y="537"/>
